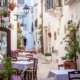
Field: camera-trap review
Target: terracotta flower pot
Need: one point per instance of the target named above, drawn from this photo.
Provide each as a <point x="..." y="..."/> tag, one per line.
<point x="71" y="63"/>
<point x="11" y="7"/>
<point x="49" y="34"/>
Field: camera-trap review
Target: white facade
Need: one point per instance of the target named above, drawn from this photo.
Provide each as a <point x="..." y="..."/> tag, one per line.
<point x="36" y="16"/>
<point x="55" y="20"/>
<point x="14" y="30"/>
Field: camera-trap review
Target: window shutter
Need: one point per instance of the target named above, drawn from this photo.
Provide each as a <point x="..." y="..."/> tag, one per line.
<point x="51" y="3"/>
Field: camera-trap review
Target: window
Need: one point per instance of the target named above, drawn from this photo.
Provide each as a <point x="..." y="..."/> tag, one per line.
<point x="20" y="1"/>
<point x="48" y="4"/>
<point x="36" y="23"/>
<point x="52" y="3"/>
<point x="25" y="24"/>
<point x="32" y="28"/>
<point x="3" y="2"/>
<point x="34" y="42"/>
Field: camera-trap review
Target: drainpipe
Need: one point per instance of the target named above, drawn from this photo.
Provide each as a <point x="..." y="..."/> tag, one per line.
<point x="42" y="26"/>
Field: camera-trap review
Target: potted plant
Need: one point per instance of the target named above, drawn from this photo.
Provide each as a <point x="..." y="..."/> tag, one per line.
<point x="12" y="5"/>
<point x="10" y="26"/>
<point x="49" y="34"/>
<point x="48" y="56"/>
<point x="72" y="46"/>
<point x="5" y="15"/>
<point x="9" y="71"/>
<point x="5" y="12"/>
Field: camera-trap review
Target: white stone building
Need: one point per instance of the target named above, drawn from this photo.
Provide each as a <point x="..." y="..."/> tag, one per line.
<point x="55" y="18"/>
<point x="36" y="22"/>
<point x="3" y="5"/>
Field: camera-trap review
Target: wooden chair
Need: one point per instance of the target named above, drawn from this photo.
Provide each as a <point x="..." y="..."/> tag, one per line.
<point x="14" y="54"/>
<point x="74" y="75"/>
<point x="29" y="56"/>
<point x="63" y="65"/>
<point x="32" y="72"/>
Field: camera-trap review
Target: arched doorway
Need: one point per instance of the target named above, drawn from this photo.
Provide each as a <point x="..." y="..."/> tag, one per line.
<point x="8" y="39"/>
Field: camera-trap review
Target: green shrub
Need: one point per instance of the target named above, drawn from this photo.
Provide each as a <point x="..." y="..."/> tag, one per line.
<point x="4" y="13"/>
<point x="48" y="54"/>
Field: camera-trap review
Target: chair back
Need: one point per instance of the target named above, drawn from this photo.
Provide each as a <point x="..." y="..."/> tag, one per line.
<point x="74" y="75"/>
<point x="29" y="56"/>
<point x="35" y="62"/>
<point x="63" y="65"/>
<point x="14" y="58"/>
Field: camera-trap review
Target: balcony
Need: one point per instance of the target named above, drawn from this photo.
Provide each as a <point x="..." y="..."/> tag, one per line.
<point x="68" y="2"/>
<point x="3" y="4"/>
<point x="51" y="5"/>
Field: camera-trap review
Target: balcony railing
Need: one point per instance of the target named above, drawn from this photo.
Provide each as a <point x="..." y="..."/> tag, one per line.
<point x="3" y="3"/>
<point x="52" y="4"/>
<point x="68" y="2"/>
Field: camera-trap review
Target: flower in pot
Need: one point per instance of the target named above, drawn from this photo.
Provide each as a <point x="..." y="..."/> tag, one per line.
<point x="10" y="26"/>
<point x="22" y="25"/>
<point x="48" y="56"/>
<point x="12" y="5"/>
<point x="5" y="15"/>
<point x="72" y="46"/>
<point x="49" y="34"/>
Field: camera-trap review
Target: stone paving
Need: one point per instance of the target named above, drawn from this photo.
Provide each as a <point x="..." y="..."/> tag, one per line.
<point x="44" y="67"/>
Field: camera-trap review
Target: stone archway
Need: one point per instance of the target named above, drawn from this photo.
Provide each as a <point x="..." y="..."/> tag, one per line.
<point x="8" y="32"/>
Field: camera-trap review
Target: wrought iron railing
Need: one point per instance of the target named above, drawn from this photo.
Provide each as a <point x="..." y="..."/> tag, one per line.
<point x="3" y="3"/>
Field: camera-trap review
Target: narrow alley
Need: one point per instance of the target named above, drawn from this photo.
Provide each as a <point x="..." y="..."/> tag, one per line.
<point x="44" y="67"/>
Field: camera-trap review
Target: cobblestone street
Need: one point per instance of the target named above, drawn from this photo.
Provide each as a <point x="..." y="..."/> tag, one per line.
<point x="44" y="67"/>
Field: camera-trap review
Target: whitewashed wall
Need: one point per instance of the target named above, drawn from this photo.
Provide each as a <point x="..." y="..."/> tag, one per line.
<point x="36" y="15"/>
<point x="14" y="30"/>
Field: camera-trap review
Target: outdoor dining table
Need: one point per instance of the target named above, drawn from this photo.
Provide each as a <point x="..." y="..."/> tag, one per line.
<point x="22" y="58"/>
<point x="59" y="74"/>
<point x="22" y="65"/>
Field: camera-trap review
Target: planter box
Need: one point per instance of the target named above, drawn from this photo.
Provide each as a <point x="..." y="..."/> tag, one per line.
<point x="6" y="19"/>
<point x="48" y="58"/>
<point x="72" y="64"/>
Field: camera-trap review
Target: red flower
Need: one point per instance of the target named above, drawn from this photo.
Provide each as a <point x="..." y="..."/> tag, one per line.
<point x="22" y="24"/>
<point x="8" y="14"/>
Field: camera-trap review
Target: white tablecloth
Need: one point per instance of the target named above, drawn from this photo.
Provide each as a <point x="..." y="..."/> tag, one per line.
<point x="22" y="65"/>
<point x="59" y="74"/>
<point x="23" y="54"/>
<point x="22" y="58"/>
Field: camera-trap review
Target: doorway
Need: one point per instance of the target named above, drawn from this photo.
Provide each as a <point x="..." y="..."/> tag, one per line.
<point x="5" y="41"/>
